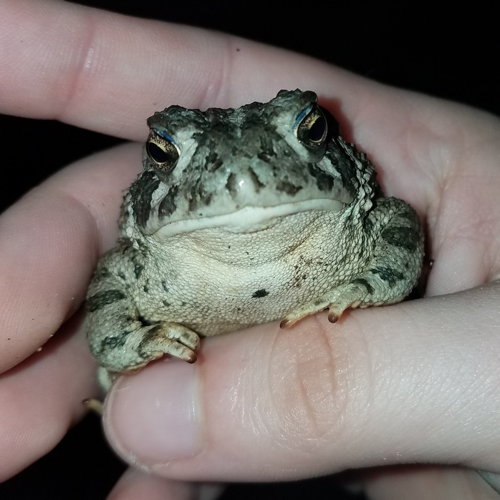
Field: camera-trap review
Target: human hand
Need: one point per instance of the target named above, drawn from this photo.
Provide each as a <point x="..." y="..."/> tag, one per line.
<point x="416" y="382"/>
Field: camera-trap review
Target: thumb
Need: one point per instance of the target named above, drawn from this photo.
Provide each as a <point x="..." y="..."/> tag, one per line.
<point x="407" y="383"/>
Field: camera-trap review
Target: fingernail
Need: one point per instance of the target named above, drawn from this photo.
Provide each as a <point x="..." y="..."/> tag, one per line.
<point x="153" y="417"/>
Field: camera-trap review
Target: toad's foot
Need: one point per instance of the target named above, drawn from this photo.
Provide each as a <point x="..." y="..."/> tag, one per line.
<point x="168" y="338"/>
<point x="95" y="405"/>
<point x="349" y="295"/>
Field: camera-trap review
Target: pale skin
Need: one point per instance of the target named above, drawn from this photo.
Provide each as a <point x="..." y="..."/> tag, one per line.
<point x="411" y="383"/>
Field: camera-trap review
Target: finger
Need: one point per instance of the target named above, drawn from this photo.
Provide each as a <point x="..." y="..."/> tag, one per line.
<point x="136" y="484"/>
<point x="464" y="224"/>
<point x="106" y="71"/>
<point x="41" y="398"/>
<point x="49" y="243"/>
<point x="431" y="483"/>
<point x="407" y="383"/>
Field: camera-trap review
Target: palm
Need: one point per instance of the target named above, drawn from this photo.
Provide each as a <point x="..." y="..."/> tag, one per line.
<point x="442" y="158"/>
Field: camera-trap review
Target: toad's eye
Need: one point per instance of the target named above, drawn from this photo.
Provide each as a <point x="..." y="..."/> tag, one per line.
<point x="312" y="129"/>
<point x="161" y="151"/>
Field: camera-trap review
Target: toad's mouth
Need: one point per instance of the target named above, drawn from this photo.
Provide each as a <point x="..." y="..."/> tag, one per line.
<point x="248" y="219"/>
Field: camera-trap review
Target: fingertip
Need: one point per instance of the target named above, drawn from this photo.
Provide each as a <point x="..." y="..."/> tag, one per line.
<point x="154" y="417"/>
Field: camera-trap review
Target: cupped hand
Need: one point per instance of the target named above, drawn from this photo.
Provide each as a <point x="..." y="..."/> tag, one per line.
<point x="415" y="382"/>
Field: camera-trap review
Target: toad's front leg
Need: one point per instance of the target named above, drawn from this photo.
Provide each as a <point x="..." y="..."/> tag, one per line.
<point x="392" y="272"/>
<point x="120" y="337"/>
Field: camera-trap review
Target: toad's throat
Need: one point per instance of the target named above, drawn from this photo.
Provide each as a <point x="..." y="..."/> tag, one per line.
<point x="245" y="220"/>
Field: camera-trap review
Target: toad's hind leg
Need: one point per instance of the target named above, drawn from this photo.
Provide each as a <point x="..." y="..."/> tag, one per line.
<point x="392" y="271"/>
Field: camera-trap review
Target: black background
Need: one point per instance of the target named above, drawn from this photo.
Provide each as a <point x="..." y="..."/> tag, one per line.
<point x="452" y="53"/>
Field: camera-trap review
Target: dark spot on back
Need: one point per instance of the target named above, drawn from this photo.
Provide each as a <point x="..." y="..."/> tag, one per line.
<point x="110" y="343"/>
<point x="141" y="193"/>
<point x="167" y="205"/>
<point x="401" y="236"/>
<point x="255" y="179"/>
<point x="101" y="273"/>
<point x="199" y="196"/>
<point x="104" y="298"/>
<point x="388" y="274"/>
<point x="260" y="293"/>
<point x="213" y="161"/>
<point x="363" y="282"/>
<point x="288" y="187"/>
<point x="347" y="173"/>
<point x="323" y="180"/>
<point x="144" y="321"/>
<point x="138" y="268"/>
<point x="231" y="184"/>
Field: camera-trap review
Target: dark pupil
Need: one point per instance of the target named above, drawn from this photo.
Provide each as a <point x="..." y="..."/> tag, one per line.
<point x="317" y="130"/>
<point x="157" y="154"/>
